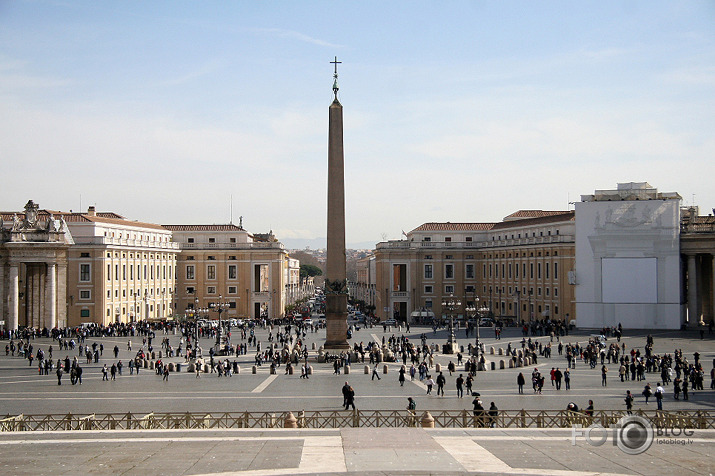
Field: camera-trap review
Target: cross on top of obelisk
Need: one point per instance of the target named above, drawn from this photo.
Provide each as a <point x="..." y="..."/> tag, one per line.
<point x="335" y="77"/>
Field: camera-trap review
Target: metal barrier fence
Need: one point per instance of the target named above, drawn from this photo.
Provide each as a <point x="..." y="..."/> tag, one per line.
<point x="358" y="418"/>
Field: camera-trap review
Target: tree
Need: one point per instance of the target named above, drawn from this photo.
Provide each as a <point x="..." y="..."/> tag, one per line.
<point x="310" y="270"/>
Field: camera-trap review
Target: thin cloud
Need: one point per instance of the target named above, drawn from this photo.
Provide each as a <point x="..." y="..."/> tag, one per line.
<point x="297" y="36"/>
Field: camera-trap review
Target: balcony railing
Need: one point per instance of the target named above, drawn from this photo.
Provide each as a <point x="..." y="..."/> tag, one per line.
<point x="234" y="246"/>
<point x="529" y="241"/>
<point x="695" y="419"/>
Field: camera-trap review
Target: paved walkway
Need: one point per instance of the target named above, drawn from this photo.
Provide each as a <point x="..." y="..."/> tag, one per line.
<point x="384" y="451"/>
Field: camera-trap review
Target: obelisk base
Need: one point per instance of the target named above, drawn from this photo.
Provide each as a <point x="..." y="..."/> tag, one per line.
<point x="336" y="320"/>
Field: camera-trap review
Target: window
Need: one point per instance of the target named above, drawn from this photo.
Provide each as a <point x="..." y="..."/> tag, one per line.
<point x="211" y="271"/>
<point x="211" y="290"/>
<point x="85" y="294"/>
<point x="547" y="270"/>
<point x="428" y="271"/>
<point x="449" y="289"/>
<point x="428" y="303"/>
<point x="190" y="272"/>
<point x="212" y="240"/>
<point x="189" y="240"/>
<point x="232" y="258"/>
<point x="469" y="271"/>
<point x="531" y="270"/>
<point x="538" y="270"/>
<point x="547" y="291"/>
<point x="189" y="290"/>
<point x="427" y="238"/>
<point x="447" y="239"/>
<point x="131" y="272"/>
<point x="556" y="292"/>
<point x="448" y="257"/>
<point x="84" y="255"/>
<point x="449" y="271"/>
<point x="556" y="271"/>
<point x="124" y="272"/>
<point x="469" y="238"/>
<point x="232" y="240"/>
<point x="469" y="257"/>
<point x="109" y="272"/>
<point x="429" y="289"/>
<point x="232" y="271"/>
<point x="212" y="258"/>
<point x="109" y="294"/>
<point x="470" y="289"/>
<point x="428" y="256"/>
<point x="232" y="290"/>
<point x="85" y="272"/>
<point x="84" y="313"/>
<point x="189" y="258"/>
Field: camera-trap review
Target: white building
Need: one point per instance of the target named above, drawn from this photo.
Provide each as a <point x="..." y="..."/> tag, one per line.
<point x="628" y="258"/>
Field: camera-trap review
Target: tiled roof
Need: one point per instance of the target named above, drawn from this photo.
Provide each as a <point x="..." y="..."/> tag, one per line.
<point x="229" y="227"/>
<point x="533" y="214"/>
<point x="454" y="227"/>
<point x="542" y="220"/>
<point x="101" y="217"/>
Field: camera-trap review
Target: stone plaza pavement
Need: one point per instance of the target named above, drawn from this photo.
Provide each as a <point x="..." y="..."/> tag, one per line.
<point x="360" y="451"/>
<point x="324" y="451"/>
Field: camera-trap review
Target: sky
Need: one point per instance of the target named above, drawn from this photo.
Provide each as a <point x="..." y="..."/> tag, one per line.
<point x="463" y="111"/>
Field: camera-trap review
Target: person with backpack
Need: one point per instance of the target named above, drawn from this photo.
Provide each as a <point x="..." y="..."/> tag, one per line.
<point x="629" y="402"/>
<point x="659" y="396"/>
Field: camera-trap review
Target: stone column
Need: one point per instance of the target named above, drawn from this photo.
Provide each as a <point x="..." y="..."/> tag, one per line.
<point x="13" y="298"/>
<point x="50" y="319"/>
<point x="693" y="317"/>
<point x="336" y="298"/>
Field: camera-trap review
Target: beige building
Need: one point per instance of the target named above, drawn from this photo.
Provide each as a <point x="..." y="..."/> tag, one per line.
<point x="63" y="269"/>
<point x="225" y="263"/>
<point x="516" y="268"/>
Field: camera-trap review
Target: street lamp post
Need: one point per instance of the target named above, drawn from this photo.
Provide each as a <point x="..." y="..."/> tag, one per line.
<point x="451" y="304"/>
<point x="473" y="312"/>
<point x="219" y="307"/>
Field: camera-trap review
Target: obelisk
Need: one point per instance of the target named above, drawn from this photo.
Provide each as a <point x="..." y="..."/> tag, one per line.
<point x="336" y="288"/>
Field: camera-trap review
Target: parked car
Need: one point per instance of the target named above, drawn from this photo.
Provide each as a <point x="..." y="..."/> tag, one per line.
<point x="486" y="322"/>
<point x="390" y="322"/>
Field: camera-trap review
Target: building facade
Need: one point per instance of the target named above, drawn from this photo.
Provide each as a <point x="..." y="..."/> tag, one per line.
<point x="226" y="264"/>
<point x="517" y="268"/>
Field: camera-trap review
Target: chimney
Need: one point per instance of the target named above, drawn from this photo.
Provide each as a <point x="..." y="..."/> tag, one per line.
<point x="91" y="212"/>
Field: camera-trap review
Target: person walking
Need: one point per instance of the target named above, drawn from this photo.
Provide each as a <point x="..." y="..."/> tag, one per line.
<point x="105" y="373"/>
<point x="166" y="373"/>
<point x="659" y="392"/>
<point x="350" y="398"/>
<point x="520" y="381"/>
<point x="59" y="375"/>
<point x="401" y="378"/>
<point x="429" y="382"/>
<point x="374" y="373"/>
<point x="493" y="415"/>
<point x="646" y="392"/>
<point x="629" y="402"/>
<point x="558" y="375"/>
<point x="604" y="371"/>
<point x="460" y="386"/>
<point x="440" y="384"/>
<point x="567" y="379"/>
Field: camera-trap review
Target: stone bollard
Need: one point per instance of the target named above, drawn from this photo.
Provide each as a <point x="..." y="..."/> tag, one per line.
<point x="312" y="346"/>
<point x="254" y="369"/>
<point x="153" y="355"/>
<point x="237" y="369"/>
<point x="493" y="365"/>
<point x="290" y="421"/>
<point x="172" y="367"/>
<point x="207" y="368"/>
<point x="427" y="420"/>
<point x="511" y="363"/>
<point x="346" y="369"/>
<point x="501" y="364"/>
<point x="151" y="365"/>
<point x="384" y="369"/>
<point x="160" y="354"/>
<point x="192" y="367"/>
<point x="491" y="350"/>
<point x="437" y="368"/>
<point x="367" y="370"/>
<point x="309" y="371"/>
<point x="290" y="370"/>
<point x="146" y="364"/>
<point x="272" y="370"/>
<point x="501" y="351"/>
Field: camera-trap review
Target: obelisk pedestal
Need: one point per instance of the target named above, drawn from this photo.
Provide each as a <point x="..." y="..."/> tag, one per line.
<point x="336" y="289"/>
